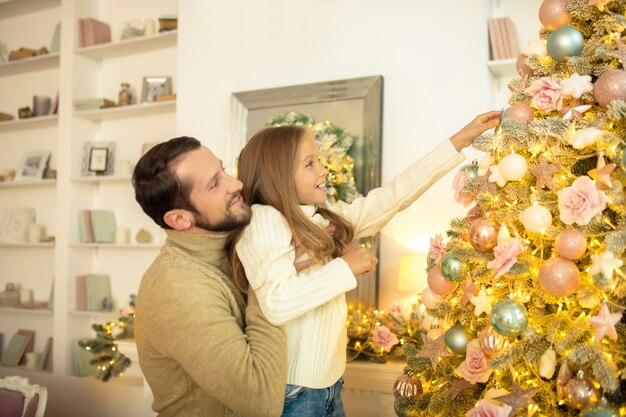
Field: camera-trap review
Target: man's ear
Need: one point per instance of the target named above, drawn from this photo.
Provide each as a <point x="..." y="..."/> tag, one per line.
<point x="179" y="219"/>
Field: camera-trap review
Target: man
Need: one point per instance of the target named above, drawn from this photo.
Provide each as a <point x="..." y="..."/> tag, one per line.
<point x="201" y="349"/>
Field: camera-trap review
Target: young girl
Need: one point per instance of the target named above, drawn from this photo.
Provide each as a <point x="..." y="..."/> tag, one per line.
<point x="285" y="184"/>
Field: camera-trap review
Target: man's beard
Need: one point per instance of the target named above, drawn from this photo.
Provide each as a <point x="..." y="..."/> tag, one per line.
<point x="227" y="224"/>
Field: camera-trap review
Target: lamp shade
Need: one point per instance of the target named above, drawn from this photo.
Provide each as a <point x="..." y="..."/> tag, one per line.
<point x="412" y="273"/>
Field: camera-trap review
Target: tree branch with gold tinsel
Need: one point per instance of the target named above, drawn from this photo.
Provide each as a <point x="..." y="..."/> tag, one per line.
<point x="377" y="335"/>
<point x="334" y="144"/>
<point x="109" y="361"/>
<point x="529" y="289"/>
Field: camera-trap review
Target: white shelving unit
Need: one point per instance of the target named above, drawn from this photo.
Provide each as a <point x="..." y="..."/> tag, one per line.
<point x="77" y="73"/>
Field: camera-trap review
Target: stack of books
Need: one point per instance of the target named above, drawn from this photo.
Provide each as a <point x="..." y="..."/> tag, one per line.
<point x="93" y="293"/>
<point x="93" y="32"/>
<point x="502" y="38"/>
<point x="96" y="226"/>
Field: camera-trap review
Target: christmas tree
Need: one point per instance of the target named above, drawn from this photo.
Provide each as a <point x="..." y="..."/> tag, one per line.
<point x="529" y="290"/>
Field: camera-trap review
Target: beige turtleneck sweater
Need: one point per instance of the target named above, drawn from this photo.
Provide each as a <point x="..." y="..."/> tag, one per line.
<point x="198" y="351"/>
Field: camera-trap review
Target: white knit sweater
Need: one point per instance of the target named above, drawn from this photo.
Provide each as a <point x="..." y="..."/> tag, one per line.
<point x="311" y="305"/>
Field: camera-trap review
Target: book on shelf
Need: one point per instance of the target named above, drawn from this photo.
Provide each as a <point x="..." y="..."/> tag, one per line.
<point x="15" y="350"/>
<point x="45" y="360"/>
<point x="55" y="44"/>
<point x="96" y="226"/>
<point x="502" y="38"/>
<point x="93" y="32"/>
<point x="6" y="116"/>
<point x="93" y="293"/>
<point x="83" y="104"/>
<point x="82" y="361"/>
<point x="30" y="343"/>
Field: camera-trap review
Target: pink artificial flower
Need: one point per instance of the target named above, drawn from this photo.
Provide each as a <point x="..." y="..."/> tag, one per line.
<point x="437" y="248"/>
<point x="395" y="308"/>
<point x="460" y="180"/>
<point x="580" y="202"/>
<point x="486" y="408"/>
<point x="505" y="256"/>
<point x="474" y="368"/>
<point x="546" y="94"/>
<point x="383" y="338"/>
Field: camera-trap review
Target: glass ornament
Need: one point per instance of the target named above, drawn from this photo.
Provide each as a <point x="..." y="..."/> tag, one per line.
<point x="407" y="386"/>
<point x="610" y="86"/>
<point x="483" y="234"/>
<point x="559" y="277"/>
<point x="452" y="268"/>
<point x="438" y="283"/>
<point x="457" y="337"/>
<point x="509" y="318"/>
<point x="600" y="409"/>
<point x="492" y="342"/>
<point x="565" y="42"/>
<point x="570" y="244"/>
<point x="513" y="166"/>
<point x="580" y="392"/>
<point x="536" y="218"/>
<point x="553" y="14"/>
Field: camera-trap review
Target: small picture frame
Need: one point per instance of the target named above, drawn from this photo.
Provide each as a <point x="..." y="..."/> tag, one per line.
<point x="155" y="86"/>
<point x="15" y="224"/>
<point x="98" y="159"/>
<point x="33" y="166"/>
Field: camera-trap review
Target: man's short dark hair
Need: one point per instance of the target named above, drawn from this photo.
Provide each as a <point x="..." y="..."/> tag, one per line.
<point x="157" y="189"/>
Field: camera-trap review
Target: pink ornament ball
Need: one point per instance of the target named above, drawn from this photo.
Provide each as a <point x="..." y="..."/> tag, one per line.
<point x="553" y="14"/>
<point x="559" y="277"/>
<point x="570" y="244"/>
<point x="438" y="283"/>
<point x="610" y="86"/>
<point x="483" y="234"/>
<point x="522" y="67"/>
<point x="521" y="112"/>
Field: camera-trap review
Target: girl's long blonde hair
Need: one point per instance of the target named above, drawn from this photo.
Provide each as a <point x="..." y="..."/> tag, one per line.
<point x="266" y="167"/>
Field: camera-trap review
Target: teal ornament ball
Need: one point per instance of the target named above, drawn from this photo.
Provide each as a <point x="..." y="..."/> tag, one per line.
<point x="509" y="318"/>
<point x="452" y="268"/>
<point x="457" y="337"/>
<point x="470" y="169"/>
<point x="601" y="409"/>
<point x="622" y="162"/>
<point x="565" y="42"/>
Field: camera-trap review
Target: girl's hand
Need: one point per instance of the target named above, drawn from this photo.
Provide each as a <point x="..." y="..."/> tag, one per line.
<point x="465" y="137"/>
<point x="360" y="260"/>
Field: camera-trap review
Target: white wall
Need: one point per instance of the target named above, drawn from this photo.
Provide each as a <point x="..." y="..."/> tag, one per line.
<point x="432" y="56"/>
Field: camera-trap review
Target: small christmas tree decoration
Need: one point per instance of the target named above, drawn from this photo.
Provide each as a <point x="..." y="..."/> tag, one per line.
<point x="610" y="86"/>
<point x="600" y="409"/>
<point x="518" y="398"/>
<point x="457" y="337"/>
<point x="559" y="277"/>
<point x="602" y="173"/>
<point x="604" y="323"/>
<point x="521" y="112"/>
<point x="469" y="289"/>
<point x="438" y="283"/>
<point x="483" y="234"/>
<point x="429" y="298"/>
<point x="580" y="392"/>
<point x="547" y="363"/>
<point x="482" y="303"/>
<point x="620" y="53"/>
<point x="576" y="85"/>
<point x="536" y="218"/>
<point x="513" y="167"/>
<point x="544" y="172"/>
<point x="553" y="14"/>
<point x="605" y="264"/>
<point x="452" y="268"/>
<point x="407" y="386"/>
<point x="536" y="47"/>
<point x="492" y="342"/>
<point x="433" y="350"/>
<point x="575" y="112"/>
<point x="522" y="67"/>
<point x="570" y="244"/>
<point x="562" y="380"/>
<point x="565" y="42"/>
<point x="509" y="318"/>
<point x="470" y="169"/>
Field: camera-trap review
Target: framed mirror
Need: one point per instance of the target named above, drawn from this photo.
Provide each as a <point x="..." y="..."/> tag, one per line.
<point x="351" y="104"/>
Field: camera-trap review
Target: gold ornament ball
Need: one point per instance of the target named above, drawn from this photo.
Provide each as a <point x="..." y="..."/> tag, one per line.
<point x="553" y="14"/>
<point x="522" y="67"/>
<point x="559" y="277"/>
<point x="570" y="244"/>
<point x="407" y="386"/>
<point x="610" y="86"/>
<point x="483" y="234"/>
<point x="438" y="283"/>
<point x="521" y="112"/>
<point x="492" y="342"/>
<point x="580" y="392"/>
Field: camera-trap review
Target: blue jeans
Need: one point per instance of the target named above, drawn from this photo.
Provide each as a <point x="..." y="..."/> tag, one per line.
<point x="309" y="402"/>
